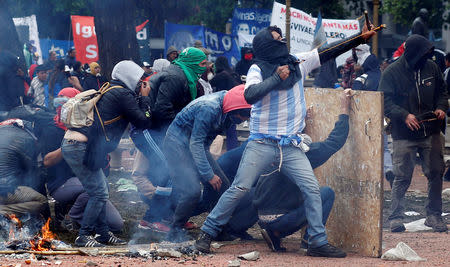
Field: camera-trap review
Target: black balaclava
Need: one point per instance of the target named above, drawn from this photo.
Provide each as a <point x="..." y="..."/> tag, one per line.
<point x="270" y="54"/>
<point x="423" y="13"/>
<point x="222" y="64"/>
<point x="417" y="51"/>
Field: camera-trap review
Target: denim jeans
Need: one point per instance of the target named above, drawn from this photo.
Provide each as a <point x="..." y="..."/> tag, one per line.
<point x="229" y="161"/>
<point x="72" y="193"/>
<point x="94" y="182"/>
<point x="187" y="190"/>
<point x="431" y="155"/>
<point x="262" y="157"/>
<point x="387" y="155"/>
<point x="296" y="219"/>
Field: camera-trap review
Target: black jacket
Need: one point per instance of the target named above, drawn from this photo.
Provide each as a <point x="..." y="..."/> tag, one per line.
<point x="277" y="194"/>
<point x="417" y="92"/>
<point x="12" y="85"/>
<point x="370" y="79"/>
<point x="169" y="94"/>
<point x="93" y="82"/>
<point x="224" y="80"/>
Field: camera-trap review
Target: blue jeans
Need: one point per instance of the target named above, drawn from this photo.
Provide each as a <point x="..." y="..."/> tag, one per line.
<point x="387" y="155"/>
<point x="94" y="182"/>
<point x="296" y="219"/>
<point x="262" y="157"/>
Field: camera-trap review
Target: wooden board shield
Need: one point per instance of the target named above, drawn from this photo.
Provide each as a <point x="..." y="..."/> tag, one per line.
<point x="355" y="172"/>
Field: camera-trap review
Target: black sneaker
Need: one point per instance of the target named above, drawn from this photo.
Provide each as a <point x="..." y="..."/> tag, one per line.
<point x="87" y="241"/>
<point x="110" y="239"/>
<point x="390" y="177"/>
<point x="273" y="242"/>
<point x="326" y="250"/>
<point x="436" y="222"/>
<point x="203" y="243"/>
<point x="397" y="226"/>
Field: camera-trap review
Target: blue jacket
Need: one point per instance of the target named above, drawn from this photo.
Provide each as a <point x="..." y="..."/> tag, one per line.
<point x="371" y="78"/>
<point x="196" y="126"/>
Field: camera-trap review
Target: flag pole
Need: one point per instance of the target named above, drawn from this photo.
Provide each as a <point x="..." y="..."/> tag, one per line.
<point x="288" y="24"/>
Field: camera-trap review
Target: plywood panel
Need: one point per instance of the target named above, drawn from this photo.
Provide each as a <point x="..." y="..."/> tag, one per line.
<point x="354" y="172"/>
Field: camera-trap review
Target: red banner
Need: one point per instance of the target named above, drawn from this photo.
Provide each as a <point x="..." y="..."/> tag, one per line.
<point x="84" y="39"/>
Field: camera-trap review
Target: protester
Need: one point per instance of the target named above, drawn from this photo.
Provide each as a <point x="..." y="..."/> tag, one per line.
<point x="225" y="78"/>
<point x="420" y="24"/>
<point x="94" y="79"/>
<point x="85" y="149"/>
<point x="416" y="117"/>
<point x="52" y="58"/>
<point x="203" y="85"/>
<point x="58" y="80"/>
<point x="172" y="53"/>
<point x="78" y="72"/>
<point x="147" y="68"/>
<point x="187" y="150"/>
<point x="70" y="58"/>
<point x="160" y="65"/>
<point x="368" y="81"/>
<point x="276" y="69"/>
<point x="28" y="54"/>
<point x="36" y="91"/>
<point x="20" y="186"/>
<point x="246" y="61"/>
<point x="13" y="90"/>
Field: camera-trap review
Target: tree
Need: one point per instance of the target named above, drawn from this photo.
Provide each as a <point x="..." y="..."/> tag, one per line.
<point x="116" y="33"/>
<point x="405" y="11"/>
<point x="9" y="40"/>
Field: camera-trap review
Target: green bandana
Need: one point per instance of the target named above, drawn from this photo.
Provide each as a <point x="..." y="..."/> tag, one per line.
<point x="188" y="61"/>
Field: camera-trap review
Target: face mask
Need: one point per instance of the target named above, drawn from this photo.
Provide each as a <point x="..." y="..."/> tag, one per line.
<point x="235" y="120"/>
<point x="210" y="76"/>
<point x="248" y="56"/>
<point x="421" y="62"/>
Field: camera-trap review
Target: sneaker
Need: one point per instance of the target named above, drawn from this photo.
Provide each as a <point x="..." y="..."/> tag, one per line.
<point x="436" y="222"/>
<point x="273" y="242"/>
<point x="87" y="241"/>
<point x="110" y="239"/>
<point x="203" y="243"/>
<point x="154" y="226"/>
<point x="190" y="226"/>
<point x="327" y="251"/>
<point x="390" y="177"/>
<point x="397" y="226"/>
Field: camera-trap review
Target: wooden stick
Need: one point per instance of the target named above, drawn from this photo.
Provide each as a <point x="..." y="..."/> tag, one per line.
<point x="366" y="16"/>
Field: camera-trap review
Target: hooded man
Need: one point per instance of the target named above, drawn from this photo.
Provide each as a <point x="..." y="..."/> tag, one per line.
<point x="94" y="79"/>
<point x="13" y="89"/>
<point x="275" y="89"/>
<point x="246" y="61"/>
<point x="85" y="149"/>
<point x="415" y="98"/>
<point x="187" y="150"/>
<point x="370" y="78"/>
<point x="172" y="53"/>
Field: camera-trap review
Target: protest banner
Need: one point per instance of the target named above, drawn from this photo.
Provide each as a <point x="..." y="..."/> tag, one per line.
<point x="85" y="38"/>
<point x="59" y="46"/>
<point x="220" y="44"/>
<point x="249" y="20"/>
<point x="142" y="36"/>
<point x="303" y="25"/>
<point x="28" y="31"/>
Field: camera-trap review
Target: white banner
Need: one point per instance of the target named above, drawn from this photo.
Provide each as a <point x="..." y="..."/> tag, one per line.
<point x="303" y="25"/>
<point x="30" y="21"/>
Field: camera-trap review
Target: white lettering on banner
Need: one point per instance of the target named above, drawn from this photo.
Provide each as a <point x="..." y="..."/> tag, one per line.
<point x="142" y="34"/>
<point x="91" y="51"/>
<point x="85" y="31"/>
<point x="227" y="43"/>
<point x="212" y="40"/>
<point x="303" y="26"/>
<point x="252" y="16"/>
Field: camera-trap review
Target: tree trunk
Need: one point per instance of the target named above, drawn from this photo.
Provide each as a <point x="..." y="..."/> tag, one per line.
<point x="116" y="33"/>
<point x="9" y="39"/>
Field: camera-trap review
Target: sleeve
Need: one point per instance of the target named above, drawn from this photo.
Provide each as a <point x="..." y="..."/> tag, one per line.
<point x="199" y="136"/>
<point x="308" y="61"/>
<point x="359" y="82"/>
<point x="320" y="152"/>
<point x="167" y="91"/>
<point x="391" y="110"/>
<point x="137" y="114"/>
<point x="442" y="101"/>
<point x="256" y="88"/>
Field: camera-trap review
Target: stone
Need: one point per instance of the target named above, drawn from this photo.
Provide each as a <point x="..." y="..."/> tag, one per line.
<point x="234" y="263"/>
<point x="251" y="256"/>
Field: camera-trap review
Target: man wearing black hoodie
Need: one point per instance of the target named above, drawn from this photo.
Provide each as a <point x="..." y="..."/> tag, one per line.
<point x="415" y="98"/>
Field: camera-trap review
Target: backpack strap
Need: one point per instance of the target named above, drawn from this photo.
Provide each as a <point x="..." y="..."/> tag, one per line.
<point x="103" y="90"/>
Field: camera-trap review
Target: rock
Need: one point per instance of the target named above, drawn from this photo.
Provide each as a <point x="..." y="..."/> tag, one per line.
<point x="234" y="263"/>
<point x="417" y="226"/>
<point x="401" y="252"/>
<point x="58" y="262"/>
<point x="91" y="263"/>
<point x="181" y="261"/>
<point x="251" y="256"/>
<point x="412" y="213"/>
<point x="216" y="245"/>
<point x="168" y="253"/>
<point x="18" y="265"/>
<point x="446" y="193"/>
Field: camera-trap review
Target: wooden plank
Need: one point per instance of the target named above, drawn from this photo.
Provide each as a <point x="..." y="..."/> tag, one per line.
<point x="355" y="172"/>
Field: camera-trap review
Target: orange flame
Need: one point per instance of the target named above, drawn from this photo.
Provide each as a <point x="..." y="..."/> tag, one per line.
<point x="16" y="224"/>
<point x="43" y="242"/>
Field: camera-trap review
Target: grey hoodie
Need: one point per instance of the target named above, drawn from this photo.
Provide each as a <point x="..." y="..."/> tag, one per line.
<point x="127" y="72"/>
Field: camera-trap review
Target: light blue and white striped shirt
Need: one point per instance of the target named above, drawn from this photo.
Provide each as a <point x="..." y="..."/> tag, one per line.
<point x="281" y="113"/>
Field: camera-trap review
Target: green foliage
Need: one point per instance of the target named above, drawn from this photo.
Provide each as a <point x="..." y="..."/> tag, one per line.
<point x="211" y="13"/>
<point x="405" y="11"/>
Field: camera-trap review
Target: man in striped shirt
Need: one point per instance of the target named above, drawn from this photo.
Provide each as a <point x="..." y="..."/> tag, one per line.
<point x="275" y="89"/>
